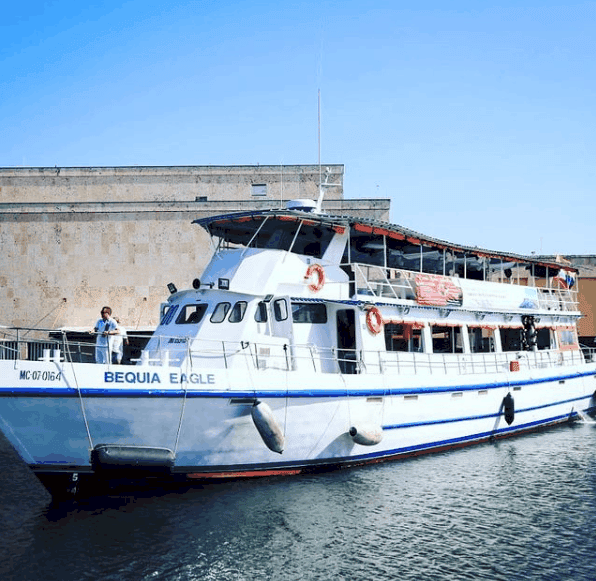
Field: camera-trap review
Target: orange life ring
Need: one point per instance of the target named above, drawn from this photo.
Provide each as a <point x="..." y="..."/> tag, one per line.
<point x="317" y="271"/>
<point x="374" y="320"/>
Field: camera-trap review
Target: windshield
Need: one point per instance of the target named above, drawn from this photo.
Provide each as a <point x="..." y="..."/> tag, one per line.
<point x="278" y="233"/>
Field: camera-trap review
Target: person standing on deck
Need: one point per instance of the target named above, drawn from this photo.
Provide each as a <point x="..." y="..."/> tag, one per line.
<point x="104" y="327"/>
<point x="117" y="343"/>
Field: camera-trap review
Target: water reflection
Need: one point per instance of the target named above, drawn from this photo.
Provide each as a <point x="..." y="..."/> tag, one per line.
<point x="516" y="509"/>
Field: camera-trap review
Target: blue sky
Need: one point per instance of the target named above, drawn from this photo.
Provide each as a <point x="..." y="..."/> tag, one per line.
<point x="476" y="118"/>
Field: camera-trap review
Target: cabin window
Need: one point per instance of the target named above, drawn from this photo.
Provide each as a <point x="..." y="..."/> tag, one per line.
<point x="191" y="314"/>
<point x="403" y="255"/>
<point x="309" y="313"/>
<point x="280" y="309"/>
<point x="238" y="311"/>
<point x="567" y="338"/>
<point x="168" y="314"/>
<point x="402" y="337"/>
<point x="511" y="338"/>
<point x="482" y="339"/>
<point x="293" y="235"/>
<point x="261" y="312"/>
<point x="455" y="263"/>
<point x="431" y="260"/>
<point x="447" y="339"/>
<point x="545" y="338"/>
<point x="220" y="312"/>
<point x="279" y="238"/>
<point x="475" y="267"/>
<point x="367" y="248"/>
<point x="312" y="240"/>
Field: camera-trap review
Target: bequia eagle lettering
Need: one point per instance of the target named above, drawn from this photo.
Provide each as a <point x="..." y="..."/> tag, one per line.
<point x="153" y="377"/>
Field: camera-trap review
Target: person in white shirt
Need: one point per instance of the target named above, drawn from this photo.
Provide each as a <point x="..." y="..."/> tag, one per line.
<point x="104" y="329"/>
<point x="117" y="343"/>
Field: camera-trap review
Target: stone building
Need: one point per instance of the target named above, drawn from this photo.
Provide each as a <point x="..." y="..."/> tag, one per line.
<point x="586" y="292"/>
<point x="584" y="288"/>
<point x="74" y="239"/>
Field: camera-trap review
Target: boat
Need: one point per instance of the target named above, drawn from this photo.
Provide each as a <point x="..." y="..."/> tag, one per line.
<point x="310" y="342"/>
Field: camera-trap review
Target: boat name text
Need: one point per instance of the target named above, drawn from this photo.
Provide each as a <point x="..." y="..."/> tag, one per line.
<point x="147" y="377"/>
<point x="127" y="377"/>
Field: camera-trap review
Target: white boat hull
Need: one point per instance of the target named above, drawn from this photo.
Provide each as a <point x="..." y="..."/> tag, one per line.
<point x="56" y="414"/>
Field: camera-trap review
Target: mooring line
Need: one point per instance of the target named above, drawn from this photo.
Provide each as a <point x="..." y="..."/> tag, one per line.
<point x="74" y="375"/>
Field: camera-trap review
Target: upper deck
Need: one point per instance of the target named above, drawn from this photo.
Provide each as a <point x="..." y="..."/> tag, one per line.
<point x="394" y="263"/>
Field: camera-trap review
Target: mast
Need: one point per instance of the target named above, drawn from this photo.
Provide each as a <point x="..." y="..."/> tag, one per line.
<point x="321" y="193"/>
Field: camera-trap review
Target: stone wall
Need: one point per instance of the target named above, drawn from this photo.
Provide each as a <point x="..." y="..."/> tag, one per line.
<point x="141" y="184"/>
<point x="75" y="239"/>
<point x="586" y="290"/>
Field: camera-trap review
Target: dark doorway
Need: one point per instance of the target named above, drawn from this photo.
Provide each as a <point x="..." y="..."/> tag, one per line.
<point x="346" y="341"/>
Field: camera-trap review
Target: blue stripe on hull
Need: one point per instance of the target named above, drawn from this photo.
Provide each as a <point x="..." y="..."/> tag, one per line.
<point x="409" y="451"/>
<point x="125" y="392"/>
<point x="485" y="416"/>
<point x="331" y="463"/>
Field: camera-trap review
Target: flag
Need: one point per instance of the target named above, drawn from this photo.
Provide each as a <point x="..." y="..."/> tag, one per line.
<point x="565" y="279"/>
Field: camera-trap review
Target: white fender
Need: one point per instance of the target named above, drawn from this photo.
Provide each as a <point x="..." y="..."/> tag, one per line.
<point x="366" y="434"/>
<point x="267" y="425"/>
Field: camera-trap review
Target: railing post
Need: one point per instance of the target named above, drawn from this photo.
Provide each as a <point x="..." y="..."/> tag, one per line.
<point x="223" y="350"/>
<point x="335" y="357"/>
<point x="64" y="347"/>
<point x="256" y="356"/>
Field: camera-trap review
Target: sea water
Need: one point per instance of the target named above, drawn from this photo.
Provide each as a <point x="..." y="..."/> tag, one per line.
<point x="523" y="508"/>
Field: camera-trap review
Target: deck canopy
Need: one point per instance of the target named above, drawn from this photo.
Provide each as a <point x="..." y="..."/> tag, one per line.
<point x="372" y="242"/>
<point x="294" y="231"/>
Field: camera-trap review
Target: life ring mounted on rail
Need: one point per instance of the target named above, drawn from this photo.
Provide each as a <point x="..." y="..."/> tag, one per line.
<point x="316" y="275"/>
<point x="374" y="320"/>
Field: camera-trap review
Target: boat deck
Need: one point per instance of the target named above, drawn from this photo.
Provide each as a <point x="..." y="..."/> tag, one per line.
<point x="17" y="344"/>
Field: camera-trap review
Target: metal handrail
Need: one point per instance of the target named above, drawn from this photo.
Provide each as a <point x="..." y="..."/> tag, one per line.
<point x="262" y="355"/>
<point x="383" y="282"/>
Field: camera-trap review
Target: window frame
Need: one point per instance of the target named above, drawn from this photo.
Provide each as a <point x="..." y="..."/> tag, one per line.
<point x="315" y="313"/>
<point x="186" y="314"/>
<point x="242" y="305"/>
<point x="278" y="315"/>
<point x="452" y="332"/>
<point x="259" y="190"/>
<point x="261" y="312"/>
<point x="222" y="318"/>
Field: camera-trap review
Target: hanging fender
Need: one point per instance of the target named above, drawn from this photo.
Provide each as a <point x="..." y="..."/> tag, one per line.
<point x="316" y="274"/>
<point x="366" y="434"/>
<point x="374" y="320"/>
<point x="508" y="409"/>
<point x="267" y="426"/>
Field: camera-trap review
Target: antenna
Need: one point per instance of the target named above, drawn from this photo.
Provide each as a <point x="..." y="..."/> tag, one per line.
<point x="321" y="193"/>
<point x="319" y="130"/>
<point x="319" y="206"/>
<point x="281" y="189"/>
